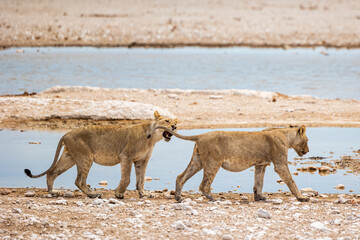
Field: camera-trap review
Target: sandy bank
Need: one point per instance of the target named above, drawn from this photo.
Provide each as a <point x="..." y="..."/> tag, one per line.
<point x="160" y="23"/>
<point x="66" y="108"/>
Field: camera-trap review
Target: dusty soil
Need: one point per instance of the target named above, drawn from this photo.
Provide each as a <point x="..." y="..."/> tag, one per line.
<point x="233" y="216"/>
<point x="161" y="23"/>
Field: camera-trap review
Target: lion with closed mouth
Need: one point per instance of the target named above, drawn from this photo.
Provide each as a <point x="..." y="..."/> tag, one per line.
<point x="237" y="151"/>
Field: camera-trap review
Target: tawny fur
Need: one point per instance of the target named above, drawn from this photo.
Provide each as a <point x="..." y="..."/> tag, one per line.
<point x="237" y="151"/>
<point x="108" y="146"/>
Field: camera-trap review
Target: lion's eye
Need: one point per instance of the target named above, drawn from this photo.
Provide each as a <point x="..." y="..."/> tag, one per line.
<point x="167" y="121"/>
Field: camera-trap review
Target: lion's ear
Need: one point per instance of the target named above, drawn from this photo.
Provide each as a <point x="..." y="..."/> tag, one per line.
<point x="302" y="130"/>
<point x="176" y="120"/>
<point x="157" y="115"/>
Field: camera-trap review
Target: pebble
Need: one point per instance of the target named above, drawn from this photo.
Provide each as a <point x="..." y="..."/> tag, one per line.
<point x="319" y="226"/>
<point x="16" y="210"/>
<point x="30" y="194"/>
<point x="275" y="201"/>
<point x="147" y="178"/>
<point x="216" y="97"/>
<point x="342" y="200"/>
<point x="5" y="192"/>
<point x="115" y="201"/>
<point x="173" y="96"/>
<point x="340" y="187"/>
<point x="59" y="202"/>
<point x="227" y="237"/>
<point x="263" y="214"/>
<point x="69" y="194"/>
<point x="103" y="183"/>
<point x="179" y="225"/>
<point x="98" y="202"/>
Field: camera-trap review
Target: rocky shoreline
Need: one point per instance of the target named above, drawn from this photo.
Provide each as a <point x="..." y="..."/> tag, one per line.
<point x="33" y="214"/>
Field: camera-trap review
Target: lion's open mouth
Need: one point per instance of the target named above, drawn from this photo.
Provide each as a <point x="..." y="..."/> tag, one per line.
<point x="167" y="135"/>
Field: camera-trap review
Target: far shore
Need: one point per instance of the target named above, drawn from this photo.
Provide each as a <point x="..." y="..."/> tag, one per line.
<point x="206" y="23"/>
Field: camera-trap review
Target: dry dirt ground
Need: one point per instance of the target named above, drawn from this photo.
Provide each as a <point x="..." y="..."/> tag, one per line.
<point x="162" y="23"/>
<point x="33" y="214"/>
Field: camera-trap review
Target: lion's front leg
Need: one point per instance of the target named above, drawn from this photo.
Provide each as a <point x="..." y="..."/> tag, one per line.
<point x="140" y="169"/>
<point x="125" y="178"/>
<point x="259" y="182"/>
<point x="283" y="170"/>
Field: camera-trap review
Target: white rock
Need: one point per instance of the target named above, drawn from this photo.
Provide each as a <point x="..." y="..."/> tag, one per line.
<point x="319" y="226"/>
<point x="79" y="204"/>
<point x="227" y="237"/>
<point x="29" y="194"/>
<point x="275" y="201"/>
<point x="340" y="187"/>
<point x="337" y="221"/>
<point x="16" y="210"/>
<point x="216" y="97"/>
<point x="173" y="96"/>
<point x="59" y="202"/>
<point x="208" y="231"/>
<point x="69" y="194"/>
<point x="179" y="225"/>
<point x="342" y="200"/>
<point x="103" y="183"/>
<point x="97" y="201"/>
<point x="115" y="201"/>
<point x="263" y="214"/>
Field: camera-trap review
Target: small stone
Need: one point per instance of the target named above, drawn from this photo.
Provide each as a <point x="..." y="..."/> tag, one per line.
<point x="69" y="194"/>
<point x="275" y="201"/>
<point x="216" y="97"/>
<point x="148" y="179"/>
<point x="59" y="202"/>
<point x="342" y="200"/>
<point x="20" y="51"/>
<point x="98" y="202"/>
<point x="227" y="237"/>
<point x="309" y="192"/>
<point x="103" y="183"/>
<point x="179" y="225"/>
<point x="16" y="210"/>
<point x="319" y="226"/>
<point x="340" y="187"/>
<point x="324" y="169"/>
<point x="337" y="221"/>
<point x="280" y="181"/>
<point x="323" y="196"/>
<point x="173" y="96"/>
<point x="34" y="142"/>
<point x="263" y="214"/>
<point x="5" y="192"/>
<point x="30" y="194"/>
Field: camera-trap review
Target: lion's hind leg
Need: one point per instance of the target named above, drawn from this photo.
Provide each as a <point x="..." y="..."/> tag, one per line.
<point x="65" y="162"/>
<point x="259" y="182"/>
<point x="83" y="168"/>
<point x="193" y="167"/>
<point x="210" y="172"/>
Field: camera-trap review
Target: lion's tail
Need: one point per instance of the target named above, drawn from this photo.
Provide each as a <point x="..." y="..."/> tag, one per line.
<point x="189" y="138"/>
<point x="58" y="149"/>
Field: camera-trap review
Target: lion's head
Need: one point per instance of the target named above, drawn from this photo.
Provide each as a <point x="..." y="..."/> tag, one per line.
<point x="300" y="143"/>
<point x="165" y="122"/>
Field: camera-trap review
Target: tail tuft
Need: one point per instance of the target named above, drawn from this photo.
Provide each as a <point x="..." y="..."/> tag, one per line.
<point x="28" y="172"/>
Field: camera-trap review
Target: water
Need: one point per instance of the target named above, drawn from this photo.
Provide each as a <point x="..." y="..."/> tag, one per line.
<point x="295" y="71"/>
<point x="170" y="159"/>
